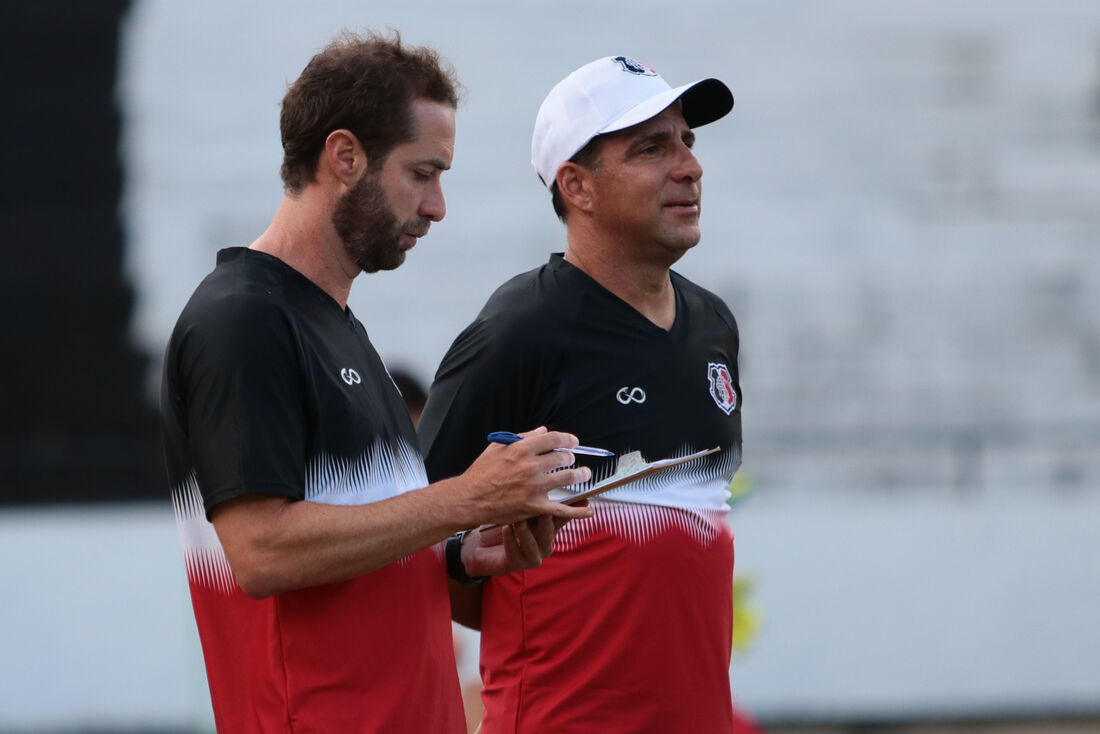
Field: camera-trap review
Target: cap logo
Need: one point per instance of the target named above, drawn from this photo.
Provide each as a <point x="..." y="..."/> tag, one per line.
<point x="633" y="66"/>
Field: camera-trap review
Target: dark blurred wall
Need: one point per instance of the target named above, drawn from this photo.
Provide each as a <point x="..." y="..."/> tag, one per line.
<point x="74" y="423"/>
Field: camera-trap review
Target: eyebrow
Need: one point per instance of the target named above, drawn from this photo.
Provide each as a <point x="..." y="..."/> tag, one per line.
<point x="662" y="136"/>
<point x="657" y="136"/>
<point x="434" y="163"/>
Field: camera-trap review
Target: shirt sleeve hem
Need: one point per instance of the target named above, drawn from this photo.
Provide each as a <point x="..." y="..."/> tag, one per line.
<point x="231" y="493"/>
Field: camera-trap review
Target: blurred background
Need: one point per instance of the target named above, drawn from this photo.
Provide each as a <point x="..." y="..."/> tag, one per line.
<point x="903" y="211"/>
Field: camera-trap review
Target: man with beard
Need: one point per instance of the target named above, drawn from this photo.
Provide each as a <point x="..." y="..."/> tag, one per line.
<point x="313" y="542"/>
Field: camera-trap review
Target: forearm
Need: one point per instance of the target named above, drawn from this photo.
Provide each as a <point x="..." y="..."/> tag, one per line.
<point x="275" y="545"/>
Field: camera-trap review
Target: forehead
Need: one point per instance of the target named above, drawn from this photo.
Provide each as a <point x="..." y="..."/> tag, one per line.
<point x="671" y="120"/>
<point x="435" y="139"/>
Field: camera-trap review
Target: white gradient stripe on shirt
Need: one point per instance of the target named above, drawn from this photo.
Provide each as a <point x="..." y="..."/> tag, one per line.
<point x="377" y="474"/>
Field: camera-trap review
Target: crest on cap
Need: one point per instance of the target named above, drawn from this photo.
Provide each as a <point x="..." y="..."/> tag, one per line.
<point x="633" y="66"/>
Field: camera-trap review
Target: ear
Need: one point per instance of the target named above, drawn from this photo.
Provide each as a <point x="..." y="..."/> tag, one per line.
<point x="575" y="186"/>
<point x="344" y="156"/>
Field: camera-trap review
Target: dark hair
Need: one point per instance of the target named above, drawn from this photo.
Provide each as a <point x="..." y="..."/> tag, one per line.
<point x="365" y="84"/>
<point x="589" y="157"/>
<point x="412" y="392"/>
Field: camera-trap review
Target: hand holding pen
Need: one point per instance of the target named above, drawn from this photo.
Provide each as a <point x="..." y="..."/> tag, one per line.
<point x="507" y="437"/>
<point x="507" y="492"/>
<point x="512" y="482"/>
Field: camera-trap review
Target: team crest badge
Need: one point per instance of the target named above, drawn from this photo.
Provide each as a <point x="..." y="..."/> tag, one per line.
<point x="633" y="66"/>
<point x="721" y="386"/>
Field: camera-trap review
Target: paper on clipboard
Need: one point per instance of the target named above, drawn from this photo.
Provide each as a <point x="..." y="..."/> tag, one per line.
<point x="633" y="474"/>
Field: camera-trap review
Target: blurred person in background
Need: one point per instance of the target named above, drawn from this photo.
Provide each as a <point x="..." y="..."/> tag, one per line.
<point x="314" y="543"/>
<point x="627" y="626"/>
<point x="412" y="392"/>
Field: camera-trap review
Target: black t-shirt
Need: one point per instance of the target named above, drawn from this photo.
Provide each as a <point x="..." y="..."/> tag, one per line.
<point x="632" y="613"/>
<point x="552" y="347"/>
<point x="271" y="387"/>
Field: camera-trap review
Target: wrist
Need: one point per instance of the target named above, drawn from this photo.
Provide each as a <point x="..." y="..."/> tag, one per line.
<point x="456" y="569"/>
<point x="467" y="511"/>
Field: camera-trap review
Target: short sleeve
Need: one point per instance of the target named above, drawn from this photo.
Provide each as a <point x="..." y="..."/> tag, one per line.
<point x="485" y="383"/>
<point x="239" y="386"/>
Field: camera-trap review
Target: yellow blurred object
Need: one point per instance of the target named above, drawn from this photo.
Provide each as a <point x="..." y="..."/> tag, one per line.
<point x="740" y="486"/>
<point x="746" y="616"/>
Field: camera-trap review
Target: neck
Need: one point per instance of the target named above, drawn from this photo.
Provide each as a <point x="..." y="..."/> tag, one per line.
<point x="644" y="285"/>
<point x="309" y="244"/>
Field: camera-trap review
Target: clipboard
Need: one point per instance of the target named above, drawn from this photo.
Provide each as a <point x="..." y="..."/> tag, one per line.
<point x="645" y="470"/>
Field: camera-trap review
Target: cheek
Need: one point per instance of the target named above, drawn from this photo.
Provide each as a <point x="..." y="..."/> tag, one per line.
<point x="406" y="203"/>
<point x="618" y="194"/>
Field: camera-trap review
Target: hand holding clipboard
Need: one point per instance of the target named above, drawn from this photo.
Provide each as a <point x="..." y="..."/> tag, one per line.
<point x="631" y="467"/>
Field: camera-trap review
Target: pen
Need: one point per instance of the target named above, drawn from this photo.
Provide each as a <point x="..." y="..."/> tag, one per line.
<point x="509" y="437"/>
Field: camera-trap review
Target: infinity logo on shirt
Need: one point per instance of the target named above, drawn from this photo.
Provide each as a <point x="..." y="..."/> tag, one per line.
<point x="628" y="395"/>
<point x="350" y="376"/>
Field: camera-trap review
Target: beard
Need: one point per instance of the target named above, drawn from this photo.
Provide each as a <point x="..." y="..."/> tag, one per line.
<point x="368" y="227"/>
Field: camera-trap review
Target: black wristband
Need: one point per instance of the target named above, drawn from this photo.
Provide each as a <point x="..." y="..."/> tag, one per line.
<point x="456" y="569"/>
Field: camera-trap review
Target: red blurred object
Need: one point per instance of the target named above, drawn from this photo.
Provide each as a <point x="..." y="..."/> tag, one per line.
<point x="743" y="723"/>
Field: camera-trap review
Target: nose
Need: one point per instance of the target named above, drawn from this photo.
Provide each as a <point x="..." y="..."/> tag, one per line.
<point x="433" y="206"/>
<point x="688" y="167"/>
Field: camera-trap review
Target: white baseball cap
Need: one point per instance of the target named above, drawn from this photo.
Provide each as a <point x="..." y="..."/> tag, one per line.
<point x="612" y="94"/>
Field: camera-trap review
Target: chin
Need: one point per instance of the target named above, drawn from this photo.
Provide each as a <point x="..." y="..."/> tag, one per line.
<point x="375" y="266"/>
<point x="684" y="242"/>
<point x="394" y="263"/>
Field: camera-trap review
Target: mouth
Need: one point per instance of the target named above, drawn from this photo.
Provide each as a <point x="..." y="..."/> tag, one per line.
<point x="683" y="206"/>
<point x="409" y="238"/>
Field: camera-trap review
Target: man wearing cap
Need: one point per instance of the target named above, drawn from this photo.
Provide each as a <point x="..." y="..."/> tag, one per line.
<point x="626" y="627"/>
